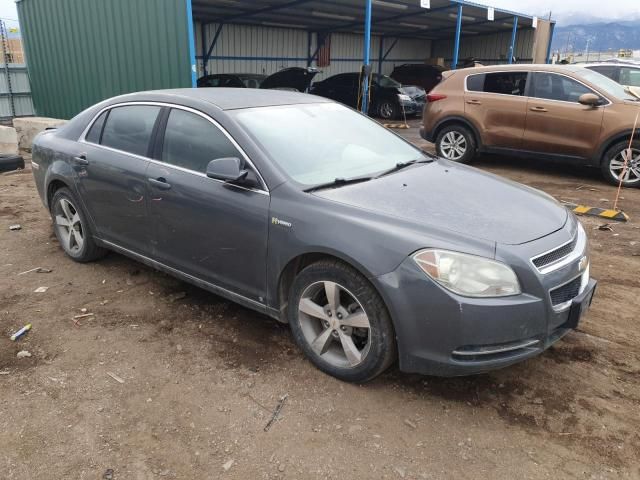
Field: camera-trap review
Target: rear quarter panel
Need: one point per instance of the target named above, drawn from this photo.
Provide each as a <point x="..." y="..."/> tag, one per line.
<point x="452" y="106"/>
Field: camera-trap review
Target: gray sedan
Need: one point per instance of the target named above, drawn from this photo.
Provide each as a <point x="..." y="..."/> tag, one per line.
<point x="313" y="214"/>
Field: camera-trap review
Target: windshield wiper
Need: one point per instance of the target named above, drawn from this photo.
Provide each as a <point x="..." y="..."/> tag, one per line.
<point x="402" y="165"/>
<point x="338" y="182"/>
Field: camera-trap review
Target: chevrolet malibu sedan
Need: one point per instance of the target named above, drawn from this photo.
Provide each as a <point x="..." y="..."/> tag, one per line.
<point x="306" y="211"/>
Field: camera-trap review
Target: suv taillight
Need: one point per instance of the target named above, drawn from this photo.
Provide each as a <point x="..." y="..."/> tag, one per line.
<point x="434" y="97"/>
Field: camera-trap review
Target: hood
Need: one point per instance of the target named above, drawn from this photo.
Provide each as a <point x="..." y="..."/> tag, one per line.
<point x="296" y="78"/>
<point x="448" y="196"/>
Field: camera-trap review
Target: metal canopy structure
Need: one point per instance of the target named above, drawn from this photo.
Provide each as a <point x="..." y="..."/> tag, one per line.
<point x="388" y="19"/>
<point x="391" y="18"/>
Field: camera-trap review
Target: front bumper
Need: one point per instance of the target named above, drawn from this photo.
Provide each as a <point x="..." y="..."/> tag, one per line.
<point x="443" y="334"/>
<point x="412" y="108"/>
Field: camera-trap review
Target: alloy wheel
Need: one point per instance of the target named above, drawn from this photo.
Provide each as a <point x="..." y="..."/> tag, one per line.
<point x="617" y="166"/>
<point x="386" y="110"/>
<point x="334" y="324"/>
<point x="69" y="227"/>
<point x="453" y="145"/>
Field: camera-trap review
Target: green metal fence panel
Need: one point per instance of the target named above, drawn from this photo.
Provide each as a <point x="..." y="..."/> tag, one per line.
<point x="80" y="52"/>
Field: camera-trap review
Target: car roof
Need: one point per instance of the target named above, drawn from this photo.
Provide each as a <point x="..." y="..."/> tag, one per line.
<point x="520" y="67"/>
<point x="225" y="98"/>
<point x="607" y="64"/>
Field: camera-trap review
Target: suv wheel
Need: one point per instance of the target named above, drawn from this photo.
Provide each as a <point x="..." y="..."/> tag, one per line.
<point x="340" y="322"/>
<point x="388" y="110"/>
<point x="613" y="164"/>
<point x="456" y="143"/>
<point x="71" y="228"/>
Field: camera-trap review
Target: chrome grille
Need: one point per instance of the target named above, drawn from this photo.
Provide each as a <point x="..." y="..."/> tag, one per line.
<point x="555" y="255"/>
<point x="566" y="292"/>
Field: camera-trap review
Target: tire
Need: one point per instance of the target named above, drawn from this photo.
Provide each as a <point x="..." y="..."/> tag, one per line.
<point x="72" y="228"/>
<point x="327" y="335"/>
<point x="613" y="160"/>
<point x="388" y="110"/>
<point x="456" y="143"/>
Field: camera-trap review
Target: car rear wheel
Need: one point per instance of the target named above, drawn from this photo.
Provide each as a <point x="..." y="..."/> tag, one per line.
<point x="340" y="322"/>
<point x="388" y="110"/>
<point x="456" y="143"/>
<point x="71" y="228"/>
<point x="613" y="164"/>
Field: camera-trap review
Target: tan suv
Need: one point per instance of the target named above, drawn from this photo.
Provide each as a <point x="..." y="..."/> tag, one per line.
<point x="562" y="112"/>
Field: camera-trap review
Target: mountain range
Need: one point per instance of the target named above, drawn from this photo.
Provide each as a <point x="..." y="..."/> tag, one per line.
<point x="601" y="36"/>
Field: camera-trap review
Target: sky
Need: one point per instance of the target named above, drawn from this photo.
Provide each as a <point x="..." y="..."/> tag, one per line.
<point x="565" y="12"/>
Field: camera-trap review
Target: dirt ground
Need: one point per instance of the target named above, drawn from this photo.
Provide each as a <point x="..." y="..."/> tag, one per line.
<point x="168" y="381"/>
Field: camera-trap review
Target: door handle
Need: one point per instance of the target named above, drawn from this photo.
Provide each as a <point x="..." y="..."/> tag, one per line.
<point x="160" y="183"/>
<point x="474" y="102"/>
<point x="81" y="160"/>
<point x="538" y="109"/>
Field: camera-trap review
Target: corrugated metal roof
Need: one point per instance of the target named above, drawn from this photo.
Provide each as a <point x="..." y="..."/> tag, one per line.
<point x="80" y="52"/>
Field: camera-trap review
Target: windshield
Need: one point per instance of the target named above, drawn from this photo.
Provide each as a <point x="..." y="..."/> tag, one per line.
<point x="608" y="86"/>
<point x="386" y="82"/>
<point x="317" y="143"/>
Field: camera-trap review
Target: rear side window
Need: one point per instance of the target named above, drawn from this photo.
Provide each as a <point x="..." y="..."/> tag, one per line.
<point x="504" y="83"/>
<point x="129" y="128"/>
<point x="551" y="86"/>
<point x="475" y="83"/>
<point x="191" y="142"/>
<point x="96" y="129"/>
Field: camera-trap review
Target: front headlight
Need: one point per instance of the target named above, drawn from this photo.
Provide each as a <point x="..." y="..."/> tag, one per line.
<point x="404" y="98"/>
<point x="468" y="275"/>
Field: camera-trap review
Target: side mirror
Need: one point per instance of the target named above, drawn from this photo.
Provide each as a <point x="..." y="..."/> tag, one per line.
<point x="590" y="99"/>
<point x="227" y="169"/>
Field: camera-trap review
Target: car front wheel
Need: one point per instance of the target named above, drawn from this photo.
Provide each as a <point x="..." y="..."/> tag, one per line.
<point x="456" y="143"/>
<point x="388" y="110"/>
<point x="613" y="164"/>
<point x="340" y="322"/>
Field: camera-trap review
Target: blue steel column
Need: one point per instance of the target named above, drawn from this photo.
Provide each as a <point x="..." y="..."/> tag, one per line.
<point x="192" y="44"/>
<point x="456" y="46"/>
<point x="367" y="48"/>
<point x="512" y="48"/>
<point x="551" y="28"/>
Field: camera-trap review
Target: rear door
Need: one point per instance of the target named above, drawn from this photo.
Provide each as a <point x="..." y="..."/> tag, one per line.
<point x="112" y="174"/>
<point x="206" y="228"/>
<point x="556" y="122"/>
<point x="496" y="104"/>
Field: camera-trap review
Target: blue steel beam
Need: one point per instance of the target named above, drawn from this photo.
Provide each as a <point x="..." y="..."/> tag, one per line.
<point x="192" y="45"/>
<point x="512" y="48"/>
<point x="367" y="48"/>
<point x="207" y="56"/>
<point x="456" y="46"/>
<point x="551" y="29"/>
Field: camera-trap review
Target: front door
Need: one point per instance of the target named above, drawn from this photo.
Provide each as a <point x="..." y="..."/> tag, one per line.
<point x="111" y="174"/>
<point x="496" y="104"/>
<point x="556" y="122"/>
<point x="211" y="230"/>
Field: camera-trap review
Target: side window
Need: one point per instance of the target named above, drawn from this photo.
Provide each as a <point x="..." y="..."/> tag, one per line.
<point x="191" y="141"/>
<point x="630" y="76"/>
<point x="551" y="86"/>
<point x="95" y="132"/>
<point x="129" y="128"/>
<point x="475" y="83"/>
<point x="506" y="83"/>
